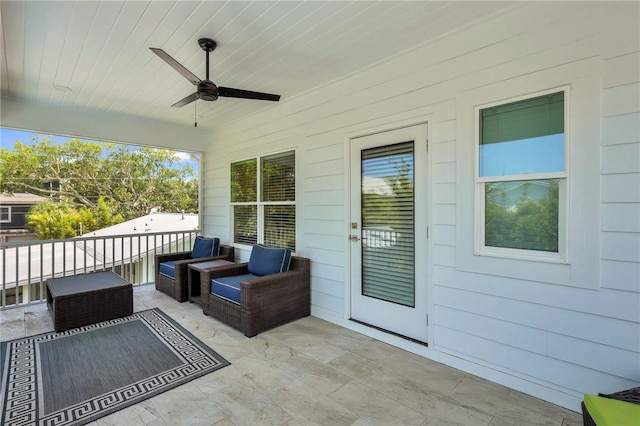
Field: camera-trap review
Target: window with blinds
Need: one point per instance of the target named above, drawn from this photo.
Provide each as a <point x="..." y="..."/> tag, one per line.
<point x="387" y="181"/>
<point x="522" y="174"/>
<point x="264" y="203"/>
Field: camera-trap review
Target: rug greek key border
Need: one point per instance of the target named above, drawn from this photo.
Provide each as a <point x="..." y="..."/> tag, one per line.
<point x="20" y="388"/>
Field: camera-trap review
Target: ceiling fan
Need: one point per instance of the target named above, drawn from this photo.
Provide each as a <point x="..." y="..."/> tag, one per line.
<point x="207" y="90"/>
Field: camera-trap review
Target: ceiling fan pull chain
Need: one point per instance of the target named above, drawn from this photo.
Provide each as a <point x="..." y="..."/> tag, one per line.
<point x="195" y="114"/>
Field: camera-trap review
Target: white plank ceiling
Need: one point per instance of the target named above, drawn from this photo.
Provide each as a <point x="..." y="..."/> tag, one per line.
<point x="100" y="49"/>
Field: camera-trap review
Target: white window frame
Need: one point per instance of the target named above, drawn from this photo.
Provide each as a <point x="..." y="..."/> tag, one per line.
<point x="563" y="177"/>
<point x="8" y="210"/>
<point x="261" y="204"/>
<point x="582" y="268"/>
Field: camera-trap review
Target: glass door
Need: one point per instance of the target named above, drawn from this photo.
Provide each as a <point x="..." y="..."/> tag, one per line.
<point x="388" y="231"/>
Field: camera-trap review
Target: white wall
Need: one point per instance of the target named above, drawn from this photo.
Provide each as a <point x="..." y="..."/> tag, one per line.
<point x="553" y="338"/>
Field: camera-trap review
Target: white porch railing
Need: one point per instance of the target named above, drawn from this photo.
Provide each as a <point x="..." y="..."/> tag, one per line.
<point x="26" y="266"/>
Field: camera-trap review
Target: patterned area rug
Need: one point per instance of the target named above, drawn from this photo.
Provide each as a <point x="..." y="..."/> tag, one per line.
<point x="77" y="376"/>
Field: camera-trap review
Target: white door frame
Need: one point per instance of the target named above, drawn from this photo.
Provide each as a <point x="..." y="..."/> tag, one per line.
<point x="347" y="202"/>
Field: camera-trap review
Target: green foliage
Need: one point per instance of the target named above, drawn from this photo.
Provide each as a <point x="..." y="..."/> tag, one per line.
<point x="51" y="220"/>
<point x="278" y="177"/>
<point x="79" y="173"/>
<point x="531" y="223"/>
<point x="244" y="181"/>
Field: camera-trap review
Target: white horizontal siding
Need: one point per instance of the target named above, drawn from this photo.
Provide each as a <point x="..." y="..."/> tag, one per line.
<point x="620" y="217"/>
<point x="621" y="334"/>
<point x="621" y="129"/>
<point x="621" y="158"/>
<point x="601" y="303"/>
<point x="508" y="333"/>
<point x="529" y="365"/>
<point x="621" y="70"/>
<point x="622" y="363"/>
<point x="623" y="246"/>
<point x="559" y="336"/>
<point x="621" y="188"/>
<point x="620" y="100"/>
<point x="621" y="275"/>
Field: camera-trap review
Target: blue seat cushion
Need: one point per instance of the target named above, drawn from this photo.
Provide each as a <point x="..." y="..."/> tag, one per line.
<point x="205" y="247"/>
<point x="229" y="287"/>
<point x="268" y="260"/>
<point x="168" y="269"/>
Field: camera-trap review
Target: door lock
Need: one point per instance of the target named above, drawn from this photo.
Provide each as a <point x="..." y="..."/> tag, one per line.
<point x="354" y="238"/>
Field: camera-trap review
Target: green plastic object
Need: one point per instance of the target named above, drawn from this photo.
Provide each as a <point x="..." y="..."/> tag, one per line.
<point x="610" y="412"/>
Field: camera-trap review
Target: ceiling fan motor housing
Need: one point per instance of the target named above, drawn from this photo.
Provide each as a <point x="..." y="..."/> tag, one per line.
<point x="207" y="91"/>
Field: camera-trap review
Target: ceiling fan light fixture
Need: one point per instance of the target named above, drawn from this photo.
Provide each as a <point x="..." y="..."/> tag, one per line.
<point x="208" y="96"/>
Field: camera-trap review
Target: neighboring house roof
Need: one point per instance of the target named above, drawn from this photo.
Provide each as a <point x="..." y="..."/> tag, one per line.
<point x="20" y="198"/>
<point x="39" y="260"/>
<point x="154" y="222"/>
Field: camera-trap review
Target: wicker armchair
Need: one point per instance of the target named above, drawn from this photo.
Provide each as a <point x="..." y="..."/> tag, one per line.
<point x="265" y="301"/>
<point x="177" y="287"/>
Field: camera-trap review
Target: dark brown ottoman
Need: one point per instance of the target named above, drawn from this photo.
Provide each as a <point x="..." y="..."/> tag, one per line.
<point x="85" y="299"/>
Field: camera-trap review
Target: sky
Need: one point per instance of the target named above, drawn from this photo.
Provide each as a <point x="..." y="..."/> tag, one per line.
<point x="536" y="155"/>
<point x="9" y="136"/>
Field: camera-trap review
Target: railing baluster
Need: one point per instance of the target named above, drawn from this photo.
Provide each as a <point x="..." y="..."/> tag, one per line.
<point x="17" y="279"/>
<point x="122" y="257"/>
<point x="64" y="260"/>
<point x="3" y="301"/>
<point x="130" y="259"/>
<point x="139" y="257"/>
<point x="29" y="271"/>
<point x="41" y="270"/>
<point x="53" y="260"/>
<point x="146" y="242"/>
<point x="137" y="266"/>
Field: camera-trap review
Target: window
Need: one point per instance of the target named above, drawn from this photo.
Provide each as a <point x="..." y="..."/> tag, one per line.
<point x="263" y="200"/>
<point x="5" y="214"/>
<point x="521" y="179"/>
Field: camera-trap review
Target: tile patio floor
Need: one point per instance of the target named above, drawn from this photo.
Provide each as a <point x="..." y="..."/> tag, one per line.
<point x="311" y="372"/>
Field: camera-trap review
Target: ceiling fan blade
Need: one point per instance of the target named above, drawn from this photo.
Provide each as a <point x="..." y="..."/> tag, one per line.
<point x="246" y="94"/>
<point x="176" y="65"/>
<point x="192" y="97"/>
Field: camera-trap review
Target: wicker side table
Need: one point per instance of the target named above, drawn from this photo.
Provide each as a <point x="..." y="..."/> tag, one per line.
<point x="194" y="277"/>
<point x="85" y="299"/>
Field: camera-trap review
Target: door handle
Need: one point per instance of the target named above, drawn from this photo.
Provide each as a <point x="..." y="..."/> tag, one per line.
<point x="354" y="238"/>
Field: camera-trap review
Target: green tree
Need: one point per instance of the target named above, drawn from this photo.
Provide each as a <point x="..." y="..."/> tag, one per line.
<point x="526" y="223"/>
<point x="78" y="173"/>
<point x="52" y="220"/>
<point x="104" y="215"/>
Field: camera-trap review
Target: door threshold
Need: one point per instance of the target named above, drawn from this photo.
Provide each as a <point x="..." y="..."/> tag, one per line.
<point x="411" y="339"/>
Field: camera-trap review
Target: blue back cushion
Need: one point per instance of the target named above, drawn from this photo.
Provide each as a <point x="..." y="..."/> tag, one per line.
<point x="168" y="269"/>
<point x="205" y="247"/>
<point x="268" y="260"/>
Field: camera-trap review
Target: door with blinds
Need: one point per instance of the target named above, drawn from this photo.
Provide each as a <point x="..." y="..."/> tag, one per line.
<point x="388" y="238"/>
